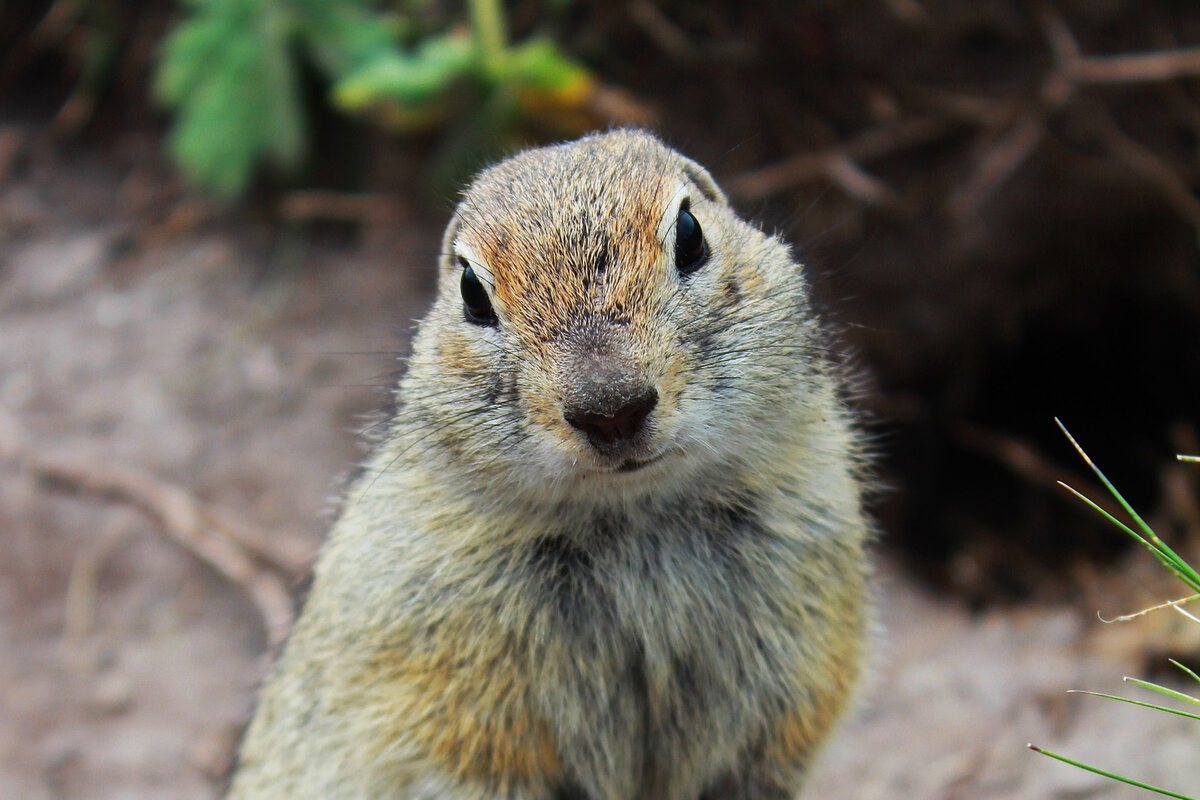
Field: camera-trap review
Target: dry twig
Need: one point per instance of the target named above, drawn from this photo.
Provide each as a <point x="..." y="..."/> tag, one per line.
<point x="832" y="162"/>
<point x="1012" y="131"/>
<point x="1073" y="70"/>
<point x="79" y="615"/>
<point x="1151" y="167"/>
<point x="1165" y="65"/>
<point x="997" y="164"/>
<point x="910" y="12"/>
<point x="1018" y="139"/>
<point x="199" y="528"/>
<point x="1025" y="461"/>
<point x="337" y="206"/>
<point x="665" y="33"/>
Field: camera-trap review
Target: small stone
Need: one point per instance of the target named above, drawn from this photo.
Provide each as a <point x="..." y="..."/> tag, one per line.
<point x="111" y="694"/>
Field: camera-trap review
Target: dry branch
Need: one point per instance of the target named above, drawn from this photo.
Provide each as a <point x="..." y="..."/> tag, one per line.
<point x="1164" y="65"/>
<point x="832" y="162"/>
<point x="1155" y="170"/>
<point x="997" y="164"/>
<point x="197" y="527"/>
<point x="337" y="206"/>
<point x="79" y="615"/>
<point x="1012" y="130"/>
<point x="1020" y="137"/>
<point x="1073" y="70"/>
<point x="1027" y="462"/>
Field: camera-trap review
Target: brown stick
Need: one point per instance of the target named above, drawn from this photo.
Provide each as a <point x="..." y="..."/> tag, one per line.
<point x="997" y="164"/>
<point x="1015" y="136"/>
<point x="1164" y="65"/>
<point x="79" y="613"/>
<point x="858" y="183"/>
<point x="1155" y="170"/>
<point x="662" y="31"/>
<point x="185" y="520"/>
<point x="1021" y="136"/>
<point x="1025" y="461"/>
<point x="337" y="206"/>
<point x="867" y="146"/>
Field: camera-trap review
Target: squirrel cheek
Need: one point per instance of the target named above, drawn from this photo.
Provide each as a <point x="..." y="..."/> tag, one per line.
<point x="543" y="411"/>
<point x="455" y="354"/>
<point x="674" y="381"/>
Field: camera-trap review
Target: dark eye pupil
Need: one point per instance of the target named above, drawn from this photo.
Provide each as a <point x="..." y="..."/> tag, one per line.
<point x="690" y="249"/>
<point x="475" y="298"/>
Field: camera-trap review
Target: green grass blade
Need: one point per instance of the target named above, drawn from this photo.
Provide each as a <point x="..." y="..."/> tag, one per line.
<point x="1195" y="677"/>
<point x="1114" y="776"/>
<point x="1161" y="556"/>
<point x="1147" y="531"/>
<point x="1108" y="516"/>
<point x="1164" y="690"/>
<point x="1133" y="702"/>
<point x="1166" y="555"/>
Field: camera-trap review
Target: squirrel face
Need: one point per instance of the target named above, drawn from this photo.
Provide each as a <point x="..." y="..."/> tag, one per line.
<point x="605" y="321"/>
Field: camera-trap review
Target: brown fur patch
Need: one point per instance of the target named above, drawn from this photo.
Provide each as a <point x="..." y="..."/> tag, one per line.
<point x="468" y="718"/>
<point x="455" y="354"/>
<point x="584" y="244"/>
<point x="797" y="735"/>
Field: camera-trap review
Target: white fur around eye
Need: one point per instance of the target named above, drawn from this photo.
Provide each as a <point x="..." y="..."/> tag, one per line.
<point x="480" y="267"/>
<point x="666" y="226"/>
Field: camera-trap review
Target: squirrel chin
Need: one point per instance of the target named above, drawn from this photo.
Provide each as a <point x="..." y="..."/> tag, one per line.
<point x="638" y="463"/>
<point x="662" y="472"/>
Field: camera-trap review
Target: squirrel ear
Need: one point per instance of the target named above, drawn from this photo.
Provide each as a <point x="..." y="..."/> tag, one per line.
<point x="699" y="176"/>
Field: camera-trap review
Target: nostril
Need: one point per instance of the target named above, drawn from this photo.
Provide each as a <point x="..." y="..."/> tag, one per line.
<point x="623" y="424"/>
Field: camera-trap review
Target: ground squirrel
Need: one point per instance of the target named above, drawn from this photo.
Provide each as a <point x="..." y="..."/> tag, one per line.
<point x="611" y="544"/>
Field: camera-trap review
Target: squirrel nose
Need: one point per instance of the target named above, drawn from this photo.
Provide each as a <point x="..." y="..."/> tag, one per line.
<point x="605" y="429"/>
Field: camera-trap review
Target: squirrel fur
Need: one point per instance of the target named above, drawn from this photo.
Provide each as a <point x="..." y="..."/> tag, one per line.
<point x="662" y="597"/>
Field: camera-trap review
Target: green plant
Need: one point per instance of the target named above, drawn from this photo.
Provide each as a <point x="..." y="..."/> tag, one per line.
<point x="1145" y="535"/>
<point x="231" y="71"/>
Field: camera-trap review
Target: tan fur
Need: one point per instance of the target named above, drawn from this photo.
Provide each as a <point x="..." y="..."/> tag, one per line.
<point x="504" y="610"/>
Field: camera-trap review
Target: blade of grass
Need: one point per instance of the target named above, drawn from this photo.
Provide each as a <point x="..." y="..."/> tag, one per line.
<point x="1175" y="604"/>
<point x="1115" y="777"/>
<point x="1187" y="613"/>
<point x="1133" y="702"/>
<point x="1168" y="556"/>
<point x="1147" y="531"/>
<point x="1162" y="557"/>
<point x="1181" y="569"/>
<point x="1163" y="690"/>
<point x="1185" y="669"/>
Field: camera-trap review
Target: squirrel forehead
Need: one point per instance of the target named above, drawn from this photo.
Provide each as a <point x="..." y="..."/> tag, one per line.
<point x="571" y="224"/>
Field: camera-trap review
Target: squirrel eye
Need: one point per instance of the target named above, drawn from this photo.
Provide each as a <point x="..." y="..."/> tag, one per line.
<point x="475" y="297"/>
<point x="691" y="251"/>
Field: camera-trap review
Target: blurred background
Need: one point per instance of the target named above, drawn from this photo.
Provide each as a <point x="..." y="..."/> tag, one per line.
<point x="219" y="219"/>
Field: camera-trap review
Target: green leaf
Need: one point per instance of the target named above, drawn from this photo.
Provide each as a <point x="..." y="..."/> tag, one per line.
<point x="230" y="75"/>
<point x="408" y="79"/>
<point x="344" y="35"/>
<point x="538" y="64"/>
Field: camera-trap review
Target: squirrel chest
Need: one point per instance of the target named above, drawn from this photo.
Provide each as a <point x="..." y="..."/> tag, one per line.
<point x="630" y="654"/>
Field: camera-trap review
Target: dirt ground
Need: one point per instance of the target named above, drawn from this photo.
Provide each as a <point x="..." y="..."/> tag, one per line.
<point x="239" y="367"/>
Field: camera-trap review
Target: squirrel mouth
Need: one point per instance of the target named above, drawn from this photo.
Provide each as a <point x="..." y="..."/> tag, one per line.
<point x="633" y="465"/>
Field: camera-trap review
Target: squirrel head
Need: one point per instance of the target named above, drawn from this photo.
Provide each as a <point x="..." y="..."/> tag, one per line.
<point x="605" y="324"/>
